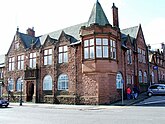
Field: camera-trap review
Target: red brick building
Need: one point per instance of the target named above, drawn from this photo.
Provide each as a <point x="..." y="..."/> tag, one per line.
<point x="82" y="64"/>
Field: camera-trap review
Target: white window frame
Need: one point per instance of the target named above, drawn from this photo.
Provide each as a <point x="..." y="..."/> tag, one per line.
<point x="33" y="60"/>
<point x="48" y="57"/>
<point x="47" y="83"/>
<point x="63" y="82"/>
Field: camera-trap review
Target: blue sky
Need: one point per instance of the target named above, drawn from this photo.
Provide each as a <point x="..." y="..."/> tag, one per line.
<point x="50" y="15"/>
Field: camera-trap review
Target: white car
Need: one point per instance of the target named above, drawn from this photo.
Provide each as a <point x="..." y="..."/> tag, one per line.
<point x="156" y="89"/>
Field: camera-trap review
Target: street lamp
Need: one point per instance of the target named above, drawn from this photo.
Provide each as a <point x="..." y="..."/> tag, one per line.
<point x="8" y="91"/>
<point x="21" y="93"/>
<point x="149" y="80"/>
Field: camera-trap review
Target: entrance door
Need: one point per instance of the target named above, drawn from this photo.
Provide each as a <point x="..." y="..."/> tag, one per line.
<point x="30" y="91"/>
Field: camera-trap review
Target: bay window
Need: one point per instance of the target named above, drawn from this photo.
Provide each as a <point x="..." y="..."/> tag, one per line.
<point x="99" y="48"/>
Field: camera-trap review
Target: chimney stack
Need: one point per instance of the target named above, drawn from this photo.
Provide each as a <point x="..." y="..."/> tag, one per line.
<point x="31" y="32"/>
<point x="115" y="16"/>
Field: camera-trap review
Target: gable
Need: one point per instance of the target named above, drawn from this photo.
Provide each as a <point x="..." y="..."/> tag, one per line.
<point x="140" y="38"/>
<point x="49" y="41"/>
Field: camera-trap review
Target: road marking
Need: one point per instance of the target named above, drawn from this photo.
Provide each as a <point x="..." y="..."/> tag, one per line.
<point x="160" y="101"/>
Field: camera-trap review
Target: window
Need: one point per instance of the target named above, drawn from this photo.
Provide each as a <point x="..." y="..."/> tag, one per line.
<point x="48" y="57"/>
<point x="140" y="77"/>
<point x="63" y="54"/>
<point x="32" y="60"/>
<point x="47" y="83"/>
<point x="143" y="56"/>
<point x="145" y="77"/>
<point x="139" y="55"/>
<point x="89" y="49"/>
<point x="129" y="78"/>
<point x="20" y="62"/>
<point x="18" y="84"/>
<point x="10" y="84"/>
<point x="129" y="56"/>
<point x="101" y="48"/>
<point x="63" y="82"/>
<point x="11" y="63"/>
<point x="113" y="49"/>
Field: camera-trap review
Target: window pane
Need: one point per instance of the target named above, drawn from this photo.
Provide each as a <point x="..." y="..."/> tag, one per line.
<point x="34" y="63"/>
<point x="98" y="51"/>
<point x="47" y="83"/>
<point x="63" y="82"/>
<point x="65" y="48"/>
<point x="50" y="51"/>
<point x="34" y="55"/>
<point x="65" y="57"/>
<point x="98" y="41"/>
<point x="60" y="49"/>
<point x="45" y="52"/>
<point x="92" y="52"/>
<point x="31" y="55"/>
<point x="105" y="51"/>
<point x="86" y="53"/>
<point x="50" y="59"/>
<point x="105" y="41"/>
<point x="60" y="58"/>
<point x="91" y="42"/>
<point x="45" y="60"/>
<point x="114" y="44"/>
<point x="86" y="43"/>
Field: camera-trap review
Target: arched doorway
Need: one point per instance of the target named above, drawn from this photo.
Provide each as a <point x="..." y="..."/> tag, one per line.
<point x="30" y="91"/>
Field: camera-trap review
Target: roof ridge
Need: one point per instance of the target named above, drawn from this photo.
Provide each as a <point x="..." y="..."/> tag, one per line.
<point x="130" y="27"/>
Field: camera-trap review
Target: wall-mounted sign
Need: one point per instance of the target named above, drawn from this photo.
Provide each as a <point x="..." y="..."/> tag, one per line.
<point x="155" y="67"/>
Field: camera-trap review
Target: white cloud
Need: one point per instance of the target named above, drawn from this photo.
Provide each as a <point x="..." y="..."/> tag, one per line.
<point x="154" y="32"/>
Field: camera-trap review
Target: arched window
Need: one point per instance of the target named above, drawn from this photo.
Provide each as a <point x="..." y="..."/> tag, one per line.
<point x="10" y="84"/>
<point x="47" y="83"/>
<point x="119" y="80"/>
<point x="18" y="84"/>
<point x="63" y="82"/>
<point x="145" y="77"/>
<point x="140" y="76"/>
<point x="153" y="77"/>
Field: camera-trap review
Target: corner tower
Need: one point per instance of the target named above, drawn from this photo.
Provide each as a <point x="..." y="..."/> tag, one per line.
<point x="100" y="44"/>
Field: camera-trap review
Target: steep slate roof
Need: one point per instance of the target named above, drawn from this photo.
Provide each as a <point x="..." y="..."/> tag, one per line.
<point x="97" y="15"/>
<point x="28" y="40"/>
<point x="132" y="31"/>
<point x="72" y="32"/>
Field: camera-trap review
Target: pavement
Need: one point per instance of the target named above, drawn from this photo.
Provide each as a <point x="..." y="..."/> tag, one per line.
<point x="125" y="102"/>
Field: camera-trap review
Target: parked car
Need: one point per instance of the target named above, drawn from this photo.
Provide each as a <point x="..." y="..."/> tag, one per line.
<point x="4" y="103"/>
<point x="156" y="89"/>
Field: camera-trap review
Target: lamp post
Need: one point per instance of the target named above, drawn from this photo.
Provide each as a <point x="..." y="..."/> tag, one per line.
<point x="21" y="93"/>
<point x="149" y="80"/>
<point x="8" y="91"/>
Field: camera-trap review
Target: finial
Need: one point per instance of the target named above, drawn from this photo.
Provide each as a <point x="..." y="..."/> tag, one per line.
<point x="17" y="29"/>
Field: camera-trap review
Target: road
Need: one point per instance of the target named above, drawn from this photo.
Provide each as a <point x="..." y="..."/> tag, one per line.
<point x="109" y="115"/>
<point x="153" y="101"/>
